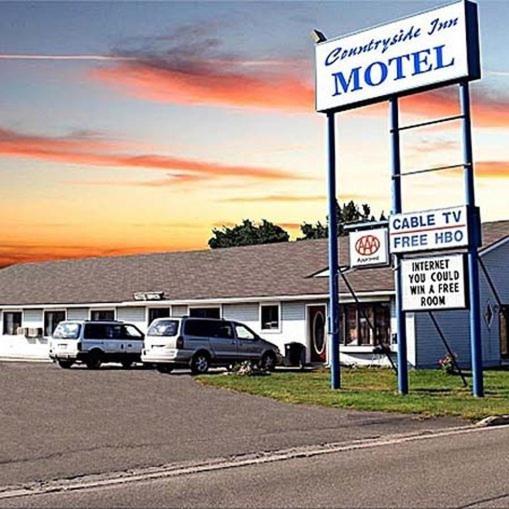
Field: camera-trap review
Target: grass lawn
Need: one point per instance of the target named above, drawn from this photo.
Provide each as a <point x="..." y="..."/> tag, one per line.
<point x="432" y="392"/>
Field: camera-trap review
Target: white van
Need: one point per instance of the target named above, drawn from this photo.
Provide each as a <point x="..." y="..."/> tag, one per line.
<point x="95" y="342"/>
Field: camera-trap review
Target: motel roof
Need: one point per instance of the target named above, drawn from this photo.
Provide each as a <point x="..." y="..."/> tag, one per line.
<point x="285" y="269"/>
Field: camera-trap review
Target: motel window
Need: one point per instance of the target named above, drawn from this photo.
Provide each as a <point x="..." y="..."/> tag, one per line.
<point x="154" y="313"/>
<point x="12" y="322"/>
<point x="269" y="315"/>
<point x="102" y="314"/>
<point x="366" y="324"/>
<point x="51" y="320"/>
<point x="205" y="312"/>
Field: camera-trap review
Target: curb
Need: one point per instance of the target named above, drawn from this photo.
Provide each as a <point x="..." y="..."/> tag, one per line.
<point x="23" y="359"/>
<point x="494" y="420"/>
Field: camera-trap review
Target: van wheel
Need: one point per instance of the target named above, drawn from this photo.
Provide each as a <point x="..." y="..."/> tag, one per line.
<point x="164" y="368"/>
<point x="94" y="360"/>
<point x="65" y="364"/>
<point x="268" y="362"/>
<point x="200" y="363"/>
<point x="127" y="364"/>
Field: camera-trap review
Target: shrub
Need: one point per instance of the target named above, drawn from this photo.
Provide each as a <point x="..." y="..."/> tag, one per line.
<point x="248" y="368"/>
<point x="447" y="364"/>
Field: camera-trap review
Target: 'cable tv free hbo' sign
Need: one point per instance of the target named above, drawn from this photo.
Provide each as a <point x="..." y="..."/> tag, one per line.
<point x="431" y="49"/>
<point x="429" y="230"/>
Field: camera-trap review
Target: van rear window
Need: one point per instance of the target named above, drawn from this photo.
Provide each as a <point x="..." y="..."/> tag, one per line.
<point x="67" y="331"/>
<point x="164" y="328"/>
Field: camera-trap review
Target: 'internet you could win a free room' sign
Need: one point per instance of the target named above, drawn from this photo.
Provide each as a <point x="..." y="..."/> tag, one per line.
<point x="435" y="282"/>
<point x="424" y="51"/>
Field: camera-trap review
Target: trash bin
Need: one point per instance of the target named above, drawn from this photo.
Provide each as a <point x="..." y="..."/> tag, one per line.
<point x="295" y="355"/>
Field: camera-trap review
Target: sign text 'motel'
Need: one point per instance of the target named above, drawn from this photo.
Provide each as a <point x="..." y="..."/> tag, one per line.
<point x="429" y="230"/>
<point x="433" y="283"/>
<point x="417" y="53"/>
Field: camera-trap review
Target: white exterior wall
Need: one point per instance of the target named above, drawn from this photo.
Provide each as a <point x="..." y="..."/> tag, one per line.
<point x="245" y="313"/>
<point x="33" y="318"/>
<point x="18" y="346"/>
<point x="179" y="311"/>
<point x="293" y="327"/>
<point x="135" y="315"/>
<point x="78" y="313"/>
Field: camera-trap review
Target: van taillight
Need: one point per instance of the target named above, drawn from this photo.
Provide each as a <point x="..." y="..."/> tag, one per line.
<point x="78" y="346"/>
<point x="180" y="342"/>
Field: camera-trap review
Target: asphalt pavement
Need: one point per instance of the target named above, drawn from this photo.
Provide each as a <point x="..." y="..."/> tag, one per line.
<point x="60" y="424"/>
<point x="461" y="469"/>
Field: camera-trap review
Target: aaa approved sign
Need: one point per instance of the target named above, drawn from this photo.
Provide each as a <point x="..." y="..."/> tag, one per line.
<point x="436" y="282"/>
<point x="369" y="247"/>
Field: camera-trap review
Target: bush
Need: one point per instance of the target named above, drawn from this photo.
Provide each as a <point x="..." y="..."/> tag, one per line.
<point x="447" y="364"/>
<point x="248" y="368"/>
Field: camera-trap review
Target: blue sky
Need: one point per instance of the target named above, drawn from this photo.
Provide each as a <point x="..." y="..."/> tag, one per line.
<point x="141" y="157"/>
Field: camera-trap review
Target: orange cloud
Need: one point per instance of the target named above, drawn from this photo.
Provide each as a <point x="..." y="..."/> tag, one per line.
<point x="94" y="152"/>
<point x="232" y="83"/>
<point x="275" y="198"/>
<point x="489" y="108"/>
<point x="486" y="169"/>
<point x="290" y="198"/>
<point x="22" y="252"/>
<point x="237" y="87"/>
<point x="492" y="169"/>
<point x="290" y="226"/>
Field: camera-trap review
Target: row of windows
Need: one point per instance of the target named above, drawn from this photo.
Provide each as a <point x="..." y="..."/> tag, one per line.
<point x="12" y="320"/>
<point x="363" y="324"/>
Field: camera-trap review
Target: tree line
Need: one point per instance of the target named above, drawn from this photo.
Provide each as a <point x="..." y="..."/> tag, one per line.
<point x="249" y="232"/>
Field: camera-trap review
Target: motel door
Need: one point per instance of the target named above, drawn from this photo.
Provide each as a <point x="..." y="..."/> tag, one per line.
<point x="316" y="330"/>
<point x="504" y="331"/>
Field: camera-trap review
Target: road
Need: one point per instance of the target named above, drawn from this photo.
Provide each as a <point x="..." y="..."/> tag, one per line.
<point x="63" y="424"/>
<point x="461" y="469"/>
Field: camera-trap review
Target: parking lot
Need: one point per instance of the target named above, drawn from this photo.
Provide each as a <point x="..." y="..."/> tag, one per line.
<point x="58" y="423"/>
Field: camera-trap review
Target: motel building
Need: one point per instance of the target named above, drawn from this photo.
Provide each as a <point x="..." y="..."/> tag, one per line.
<point x="279" y="290"/>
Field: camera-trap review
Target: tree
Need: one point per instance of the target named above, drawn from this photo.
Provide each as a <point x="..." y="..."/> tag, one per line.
<point x="248" y="233"/>
<point x="348" y="213"/>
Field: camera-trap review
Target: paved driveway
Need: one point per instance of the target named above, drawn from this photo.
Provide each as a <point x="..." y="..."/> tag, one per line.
<point x="57" y="423"/>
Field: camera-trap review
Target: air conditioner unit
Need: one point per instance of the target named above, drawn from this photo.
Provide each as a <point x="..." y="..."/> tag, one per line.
<point x="32" y="332"/>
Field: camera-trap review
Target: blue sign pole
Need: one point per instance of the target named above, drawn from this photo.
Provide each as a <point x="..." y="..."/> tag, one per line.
<point x="474" y="236"/>
<point x="396" y="209"/>
<point x="333" y="255"/>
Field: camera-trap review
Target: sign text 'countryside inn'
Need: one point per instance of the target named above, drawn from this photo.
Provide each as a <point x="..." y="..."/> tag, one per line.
<point x="420" y="52"/>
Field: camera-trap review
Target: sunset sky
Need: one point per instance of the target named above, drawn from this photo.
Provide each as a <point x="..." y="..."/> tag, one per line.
<point x="138" y="127"/>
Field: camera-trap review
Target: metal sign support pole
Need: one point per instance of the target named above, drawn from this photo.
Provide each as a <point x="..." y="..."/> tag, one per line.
<point x="396" y="209"/>
<point x="333" y="256"/>
<point x="474" y="235"/>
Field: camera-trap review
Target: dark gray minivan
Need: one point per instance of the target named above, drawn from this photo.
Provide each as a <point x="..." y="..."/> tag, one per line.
<point x="199" y="343"/>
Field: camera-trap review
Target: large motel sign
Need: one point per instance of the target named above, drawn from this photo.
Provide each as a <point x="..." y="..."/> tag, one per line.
<point x="432" y="49"/>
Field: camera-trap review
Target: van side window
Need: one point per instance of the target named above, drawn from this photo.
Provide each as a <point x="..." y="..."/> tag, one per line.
<point x="114" y="332"/>
<point x="131" y="332"/>
<point x="95" y="331"/>
<point x="209" y="329"/>
<point x="244" y="332"/>
<point x="199" y="328"/>
<point x="224" y="330"/>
